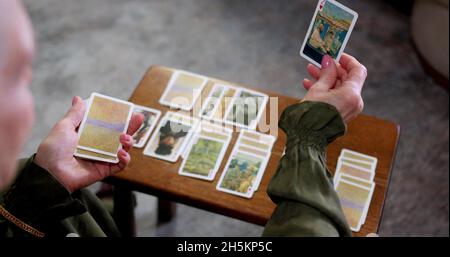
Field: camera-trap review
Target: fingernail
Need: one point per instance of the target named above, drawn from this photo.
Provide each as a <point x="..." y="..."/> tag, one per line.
<point x="74" y="100"/>
<point x="326" y="61"/>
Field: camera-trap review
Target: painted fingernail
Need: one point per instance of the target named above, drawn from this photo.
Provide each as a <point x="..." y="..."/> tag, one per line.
<point x="326" y="61"/>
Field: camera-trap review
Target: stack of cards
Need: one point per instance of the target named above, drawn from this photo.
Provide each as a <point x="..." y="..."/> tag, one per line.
<point x="151" y="117"/>
<point x="354" y="185"/>
<point x="183" y="90"/>
<point x="171" y="136"/>
<point x="205" y="151"/>
<point x="246" y="165"/>
<point x="328" y="32"/>
<point x="99" y="132"/>
<point x="236" y="106"/>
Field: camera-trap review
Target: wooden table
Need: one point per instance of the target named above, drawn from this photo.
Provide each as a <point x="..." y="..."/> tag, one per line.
<point x="365" y="134"/>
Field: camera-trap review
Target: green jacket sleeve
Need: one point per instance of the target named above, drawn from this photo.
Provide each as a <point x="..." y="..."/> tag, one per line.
<point x="302" y="188"/>
<point x="36" y="199"/>
<point x="38" y="205"/>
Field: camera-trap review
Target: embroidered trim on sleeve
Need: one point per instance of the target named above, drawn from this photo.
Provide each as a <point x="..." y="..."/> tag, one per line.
<point x="19" y="223"/>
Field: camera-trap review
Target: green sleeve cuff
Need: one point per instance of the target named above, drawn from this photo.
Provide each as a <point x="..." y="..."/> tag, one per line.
<point x="302" y="183"/>
<point x="313" y="124"/>
<point x="38" y="199"/>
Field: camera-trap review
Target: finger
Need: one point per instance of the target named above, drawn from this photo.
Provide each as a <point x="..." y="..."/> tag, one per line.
<point x="124" y="159"/>
<point x="126" y="141"/>
<point x="135" y="123"/>
<point x="342" y="73"/>
<point x="313" y="71"/>
<point x="328" y="75"/>
<point x="76" y="112"/>
<point x="307" y="84"/>
<point x="356" y="72"/>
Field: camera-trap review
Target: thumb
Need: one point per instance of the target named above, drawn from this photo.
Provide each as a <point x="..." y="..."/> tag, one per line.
<point x="76" y="112"/>
<point x="329" y="73"/>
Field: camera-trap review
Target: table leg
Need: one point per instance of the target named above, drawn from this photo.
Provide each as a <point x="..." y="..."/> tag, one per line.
<point x="124" y="203"/>
<point x="166" y="210"/>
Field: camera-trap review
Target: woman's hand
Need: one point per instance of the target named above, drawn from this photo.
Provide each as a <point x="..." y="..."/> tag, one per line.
<point x="337" y="84"/>
<point x="55" y="153"/>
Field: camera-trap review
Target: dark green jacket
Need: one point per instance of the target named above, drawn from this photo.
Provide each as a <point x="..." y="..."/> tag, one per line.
<point x="307" y="205"/>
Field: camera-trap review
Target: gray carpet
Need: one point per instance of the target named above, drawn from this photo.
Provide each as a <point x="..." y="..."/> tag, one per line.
<point x="106" y="45"/>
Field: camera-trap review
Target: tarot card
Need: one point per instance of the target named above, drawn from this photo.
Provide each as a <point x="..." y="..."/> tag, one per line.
<point x="258" y="144"/>
<point x="105" y="119"/>
<point x="171" y="137"/>
<point x="240" y="174"/>
<point x="355" y="201"/>
<point x="328" y="32"/>
<point x="183" y="90"/>
<point x="204" y="157"/>
<point x="246" y="109"/>
<point x="360" y="182"/>
<point x="212" y="101"/>
<point x="151" y="117"/>
<point x="353" y="170"/>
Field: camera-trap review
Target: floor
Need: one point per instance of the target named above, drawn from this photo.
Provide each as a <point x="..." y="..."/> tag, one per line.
<point x="106" y="45"/>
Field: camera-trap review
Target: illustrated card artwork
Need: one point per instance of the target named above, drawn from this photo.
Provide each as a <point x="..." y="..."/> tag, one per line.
<point x="151" y="117"/>
<point x="328" y="32"/>
<point x="240" y="174"/>
<point x="105" y="119"/>
<point x="246" y="109"/>
<point x="183" y="90"/>
<point x="225" y="102"/>
<point x="212" y="101"/>
<point x="205" y="151"/>
<point x="354" y="201"/>
<point x="170" y="137"/>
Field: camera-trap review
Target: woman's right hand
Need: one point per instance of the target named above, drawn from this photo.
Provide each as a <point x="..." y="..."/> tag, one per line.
<point x="337" y="84"/>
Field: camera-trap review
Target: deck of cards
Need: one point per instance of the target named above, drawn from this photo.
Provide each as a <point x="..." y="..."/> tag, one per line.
<point x="98" y="135"/>
<point x="328" y="32"/>
<point x="206" y="151"/>
<point x="246" y="164"/>
<point x="353" y="181"/>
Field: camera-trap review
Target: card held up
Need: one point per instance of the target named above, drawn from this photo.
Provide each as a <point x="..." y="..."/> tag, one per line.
<point x="328" y="32"/>
<point x="105" y="119"/>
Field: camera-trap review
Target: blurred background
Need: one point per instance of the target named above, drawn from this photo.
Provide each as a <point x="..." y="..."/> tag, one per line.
<point x="107" y="45"/>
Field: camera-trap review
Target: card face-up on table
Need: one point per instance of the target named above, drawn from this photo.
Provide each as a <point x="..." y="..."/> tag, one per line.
<point x="354" y="184"/>
<point x="205" y="151"/>
<point x="246" y="164"/>
<point x="183" y="90"/>
<point x="246" y="109"/>
<point x="328" y="32"/>
<point x="106" y="118"/>
<point x="151" y="117"/>
<point x="171" y="136"/>
<point x="355" y="200"/>
<point x="235" y="106"/>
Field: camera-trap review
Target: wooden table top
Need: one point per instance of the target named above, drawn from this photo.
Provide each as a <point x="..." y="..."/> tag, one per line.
<point x="365" y="134"/>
